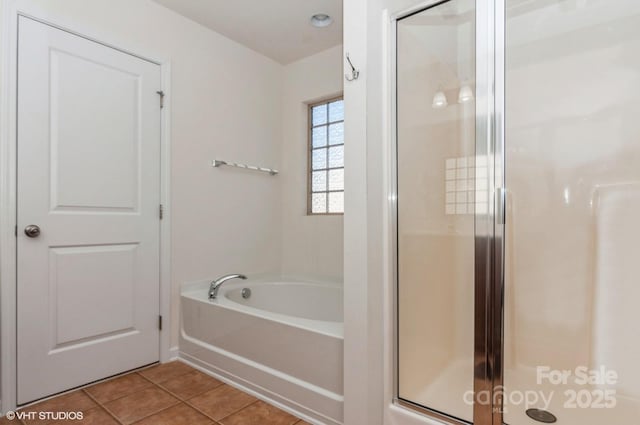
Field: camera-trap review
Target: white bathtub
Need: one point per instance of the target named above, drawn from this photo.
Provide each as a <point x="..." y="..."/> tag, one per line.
<point x="283" y="343"/>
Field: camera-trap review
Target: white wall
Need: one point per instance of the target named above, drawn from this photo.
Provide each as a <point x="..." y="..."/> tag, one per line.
<point x="226" y="102"/>
<point x="363" y="378"/>
<point x="230" y="102"/>
<point x="311" y="245"/>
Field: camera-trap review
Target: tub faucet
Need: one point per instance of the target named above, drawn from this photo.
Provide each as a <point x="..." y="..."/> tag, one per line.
<point x="215" y="285"/>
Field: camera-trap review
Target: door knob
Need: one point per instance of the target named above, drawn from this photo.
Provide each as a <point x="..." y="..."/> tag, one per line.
<point x="32" y="231"/>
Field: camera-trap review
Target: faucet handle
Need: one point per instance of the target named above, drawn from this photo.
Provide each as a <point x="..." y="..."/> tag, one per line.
<point x="215" y="285"/>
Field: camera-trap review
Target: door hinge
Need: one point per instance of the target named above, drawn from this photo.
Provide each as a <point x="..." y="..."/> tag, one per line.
<point x="161" y="212"/>
<point x="16" y="230"/>
<point x="161" y="94"/>
<point x="160" y="322"/>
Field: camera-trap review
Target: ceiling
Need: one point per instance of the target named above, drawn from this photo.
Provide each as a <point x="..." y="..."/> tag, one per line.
<point x="279" y="29"/>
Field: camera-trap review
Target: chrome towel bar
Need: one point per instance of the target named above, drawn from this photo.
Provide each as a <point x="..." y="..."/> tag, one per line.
<point x="218" y="163"/>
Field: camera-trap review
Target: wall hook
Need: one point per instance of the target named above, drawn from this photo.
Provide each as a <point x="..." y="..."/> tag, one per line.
<point x="355" y="73"/>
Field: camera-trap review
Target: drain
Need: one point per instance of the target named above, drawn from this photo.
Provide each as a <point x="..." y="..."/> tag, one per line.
<point x="246" y="293"/>
<point x="541" y="416"/>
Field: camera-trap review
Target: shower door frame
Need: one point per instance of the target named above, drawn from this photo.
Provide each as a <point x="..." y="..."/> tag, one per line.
<point x="489" y="228"/>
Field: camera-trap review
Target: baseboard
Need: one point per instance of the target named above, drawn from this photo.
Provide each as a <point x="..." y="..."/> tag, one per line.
<point x="174" y="353"/>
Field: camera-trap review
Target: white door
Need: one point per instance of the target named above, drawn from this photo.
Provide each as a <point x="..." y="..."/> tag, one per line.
<point x="89" y="178"/>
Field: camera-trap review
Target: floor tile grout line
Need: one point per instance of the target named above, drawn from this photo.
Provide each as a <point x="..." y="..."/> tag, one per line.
<point x="87" y="386"/>
<point x="295" y="418"/>
<point x="224" y="383"/>
<point x="183" y="398"/>
<point x="191" y="369"/>
<point x="103" y="407"/>
<point x="217" y="421"/>
<point x="158" y="383"/>
<point x="188" y="403"/>
<point x="122" y="396"/>
<point x="241" y="409"/>
<point x="84" y="389"/>
<point x="145" y="378"/>
<point x="155" y="413"/>
<point x="153" y="384"/>
<point x="114" y="399"/>
<point x="186" y="400"/>
<point x="81" y="390"/>
<point x="160" y="386"/>
<point x="180" y="399"/>
<point x="200" y="411"/>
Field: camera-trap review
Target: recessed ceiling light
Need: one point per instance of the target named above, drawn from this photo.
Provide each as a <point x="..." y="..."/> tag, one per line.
<point x="321" y="20"/>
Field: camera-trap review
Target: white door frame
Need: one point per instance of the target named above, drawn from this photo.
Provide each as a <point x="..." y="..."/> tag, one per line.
<point x="8" y="193"/>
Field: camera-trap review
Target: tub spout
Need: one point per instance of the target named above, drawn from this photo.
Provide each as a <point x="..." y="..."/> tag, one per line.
<point x="215" y="285"/>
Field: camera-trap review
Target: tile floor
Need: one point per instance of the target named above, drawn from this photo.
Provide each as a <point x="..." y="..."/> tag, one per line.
<point x="168" y="394"/>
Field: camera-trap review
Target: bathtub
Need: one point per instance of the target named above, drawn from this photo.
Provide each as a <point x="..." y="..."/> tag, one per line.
<point x="284" y="343"/>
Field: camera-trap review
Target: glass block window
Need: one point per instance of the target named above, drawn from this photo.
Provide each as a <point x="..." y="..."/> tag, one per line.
<point x="466" y="185"/>
<point x="326" y="157"/>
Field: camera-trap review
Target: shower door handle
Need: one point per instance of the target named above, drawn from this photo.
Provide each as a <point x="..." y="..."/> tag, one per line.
<point x="501" y="205"/>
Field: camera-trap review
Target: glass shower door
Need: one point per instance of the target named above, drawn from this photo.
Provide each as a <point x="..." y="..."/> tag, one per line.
<point x="436" y="202"/>
<point x="572" y="264"/>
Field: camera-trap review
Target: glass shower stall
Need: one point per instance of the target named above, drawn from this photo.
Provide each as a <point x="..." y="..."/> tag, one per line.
<point x="517" y="211"/>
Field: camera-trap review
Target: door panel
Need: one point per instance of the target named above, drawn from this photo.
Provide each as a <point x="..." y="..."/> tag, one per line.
<point x="111" y="271"/>
<point x="115" y="147"/>
<point x="436" y="205"/>
<point x="88" y="176"/>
